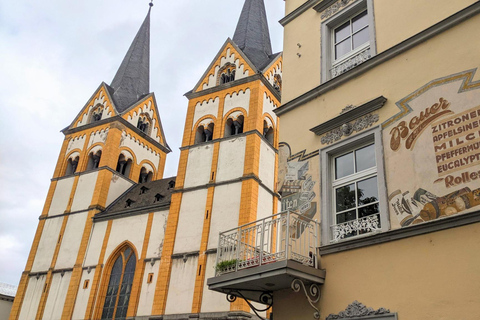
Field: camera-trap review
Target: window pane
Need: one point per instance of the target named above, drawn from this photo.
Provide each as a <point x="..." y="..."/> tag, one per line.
<point x="126" y="288"/>
<point x="360" y="38"/>
<point x="365" y="157"/>
<point x="346" y="216"/>
<point x="112" y="289"/>
<point x="368" y="210"/>
<point x="367" y="191"/>
<point x="342" y="32"/>
<point x="344" y="165"/>
<point x="360" y="21"/>
<point x="345" y="197"/>
<point x="343" y="48"/>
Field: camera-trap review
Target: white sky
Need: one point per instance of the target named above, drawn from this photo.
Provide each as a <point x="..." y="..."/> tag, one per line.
<point x="53" y="56"/>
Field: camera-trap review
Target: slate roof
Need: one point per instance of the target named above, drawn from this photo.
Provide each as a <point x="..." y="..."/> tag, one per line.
<point x="147" y="196"/>
<point x="252" y="35"/>
<point x="132" y="80"/>
<point x="8" y="290"/>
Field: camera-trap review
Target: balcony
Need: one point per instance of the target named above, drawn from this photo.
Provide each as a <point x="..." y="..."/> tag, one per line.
<point x="259" y="258"/>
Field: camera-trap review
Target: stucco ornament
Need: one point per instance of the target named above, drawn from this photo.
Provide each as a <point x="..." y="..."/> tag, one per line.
<point x="357" y="309"/>
<point x="351" y="62"/>
<point x="367" y="224"/>
<point x="347" y="129"/>
<point x="334" y="8"/>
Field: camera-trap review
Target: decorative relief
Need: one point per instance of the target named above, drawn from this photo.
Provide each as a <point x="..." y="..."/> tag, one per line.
<point x="334" y="8"/>
<point x="366" y="224"/>
<point x="348" y="128"/>
<point x="351" y="62"/>
<point x="357" y="309"/>
<point x="348" y="108"/>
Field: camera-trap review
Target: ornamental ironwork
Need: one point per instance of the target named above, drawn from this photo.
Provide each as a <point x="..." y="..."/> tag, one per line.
<point x="367" y="224"/>
<point x="351" y="62"/>
<point x="348" y="128"/>
<point x="312" y="295"/>
<point x="334" y="8"/>
<point x="357" y="309"/>
<point x="265" y="298"/>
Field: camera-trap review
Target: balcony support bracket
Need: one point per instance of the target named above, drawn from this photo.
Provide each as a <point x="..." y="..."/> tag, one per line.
<point x="313" y="294"/>
<point x="265" y="298"/>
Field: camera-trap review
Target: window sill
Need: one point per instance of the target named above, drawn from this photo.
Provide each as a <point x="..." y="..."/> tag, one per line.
<point x="350" y="61"/>
<point x="398" y="234"/>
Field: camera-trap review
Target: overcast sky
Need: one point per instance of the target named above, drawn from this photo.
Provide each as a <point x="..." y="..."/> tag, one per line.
<point x="53" y="56"/>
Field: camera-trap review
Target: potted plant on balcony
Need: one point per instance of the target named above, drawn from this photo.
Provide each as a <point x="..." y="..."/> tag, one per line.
<point x="226" y="266"/>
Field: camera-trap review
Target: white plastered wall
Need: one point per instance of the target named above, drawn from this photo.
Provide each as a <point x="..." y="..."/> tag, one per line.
<point x="95" y="243"/>
<point x="84" y="191"/>
<point x="159" y="224"/>
<point x="130" y="229"/>
<point x="107" y="112"/>
<point x="32" y="297"/>
<point x="46" y="246"/>
<point x="228" y="58"/>
<point x="231" y="159"/>
<point x="99" y="136"/>
<point x="142" y="152"/>
<point x="225" y="211"/>
<point x="148" y="290"/>
<point x="76" y="143"/>
<point x="56" y="296"/>
<point x="268" y="107"/>
<point x="267" y="165"/>
<point x="182" y="283"/>
<point x="71" y="241"/>
<point x="190" y="221"/>
<point x="240" y="99"/>
<point x="213" y="301"/>
<point x="83" y="295"/>
<point x="61" y="196"/>
<point x="204" y="108"/>
<point x="265" y="204"/>
<point x="199" y="166"/>
<point x="150" y="110"/>
<point x="118" y="186"/>
<point x="276" y="70"/>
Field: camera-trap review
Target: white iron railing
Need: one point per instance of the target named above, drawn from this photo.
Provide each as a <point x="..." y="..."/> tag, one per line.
<point x="286" y="235"/>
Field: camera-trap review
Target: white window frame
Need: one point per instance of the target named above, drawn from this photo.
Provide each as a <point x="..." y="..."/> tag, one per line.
<point x="328" y="60"/>
<point x="327" y="166"/>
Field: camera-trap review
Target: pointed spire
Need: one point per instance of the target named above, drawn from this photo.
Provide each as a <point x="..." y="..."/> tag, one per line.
<point x="132" y="80"/>
<point x="252" y="35"/>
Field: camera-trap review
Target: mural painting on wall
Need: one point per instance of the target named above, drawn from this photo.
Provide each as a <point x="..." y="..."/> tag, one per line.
<point x="433" y="152"/>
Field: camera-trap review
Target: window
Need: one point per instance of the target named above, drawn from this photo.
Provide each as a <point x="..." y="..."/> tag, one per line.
<point x="145" y="175"/>
<point x="72" y="165"/>
<point x="204" y="133"/>
<point x="347" y="39"/>
<point x="144" y="123"/>
<point x="353" y="188"/>
<point x="226" y="73"/>
<point x="124" y="165"/>
<point x="97" y="113"/>
<point x="268" y="130"/>
<point x="119" y="286"/>
<point x="277" y="82"/>
<point x="234" y="126"/>
<point x="94" y="160"/>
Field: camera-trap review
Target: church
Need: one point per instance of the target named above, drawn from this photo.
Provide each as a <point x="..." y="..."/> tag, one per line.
<point x="118" y="240"/>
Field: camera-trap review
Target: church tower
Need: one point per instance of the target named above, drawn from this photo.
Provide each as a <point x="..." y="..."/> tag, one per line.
<point x="227" y="170"/>
<point x="115" y="142"/>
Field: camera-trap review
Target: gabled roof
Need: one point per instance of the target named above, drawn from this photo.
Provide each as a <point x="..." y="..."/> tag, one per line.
<point x="132" y="80"/>
<point x="252" y="35"/>
<point x="7" y="290"/>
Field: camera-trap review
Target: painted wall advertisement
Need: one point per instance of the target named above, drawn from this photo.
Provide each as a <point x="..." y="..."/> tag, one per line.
<point x="432" y="152"/>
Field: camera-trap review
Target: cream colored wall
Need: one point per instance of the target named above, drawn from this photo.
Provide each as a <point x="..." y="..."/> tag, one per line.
<point x="182" y="282"/>
<point x="84" y="191"/>
<point x="83" y="295"/>
<point x="32" y="298"/>
<point x="291" y="5"/>
<point x="148" y="289"/>
<point x="107" y="113"/>
<point x="71" y="241"/>
<point x="56" y="297"/>
<point x="61" y="196"/>
<point x="141" y="151"/>
<point x="159" y="224"/>
<point x="212" y="301"/>
<point x="225" y="211"/>
<point x="190" y="221"/>
<point x="240" y="99"/>
<point x="267" y="165"/>
<point x="94" y="243"/>
<point x="239" y="72"/>
<point x="206" y="107"/>
<point x="5" y="307"/>
<point x="130" y="229"/>
<point x="76" y="143"/>
<point x="99" y="136"/>
<point x="150" y="110"/>
<point x="118" y="186"/>
<point x="395" y="21"/>
<point x="199" y="165"/>
<point x="46" y="247"/>
<point x="231" y="159"/>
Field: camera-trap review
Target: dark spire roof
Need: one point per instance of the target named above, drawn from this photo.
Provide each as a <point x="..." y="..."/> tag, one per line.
<point x="132" y="80"/>
<point x="252" y="35"/>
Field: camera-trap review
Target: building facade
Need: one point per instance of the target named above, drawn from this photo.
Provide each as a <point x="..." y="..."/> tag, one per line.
<point x="379" y="146"/>
<point x="115" y="239"/>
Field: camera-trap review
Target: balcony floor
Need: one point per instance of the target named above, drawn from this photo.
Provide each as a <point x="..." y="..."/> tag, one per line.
<point x="270" y="277"/>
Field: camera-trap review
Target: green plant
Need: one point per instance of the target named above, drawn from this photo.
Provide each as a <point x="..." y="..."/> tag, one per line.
<point x="225" y="265"/>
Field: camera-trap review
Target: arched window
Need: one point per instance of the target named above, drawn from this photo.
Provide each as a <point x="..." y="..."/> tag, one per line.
<point x="277" y="82"/>
<point x="72" y="165"/>
<point x="144" y="123"/>
<point x="145" y="176"/>
<point x="268" y="131"/>
<point x="124" y="165"/>
<point x="227" y="73"/>
<point x="204" y="134"/>
<point x="94" y="160"/>
<point x="97" y="113"/>
<point x="234" y="126"/>
<point x="120" y="286"/>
